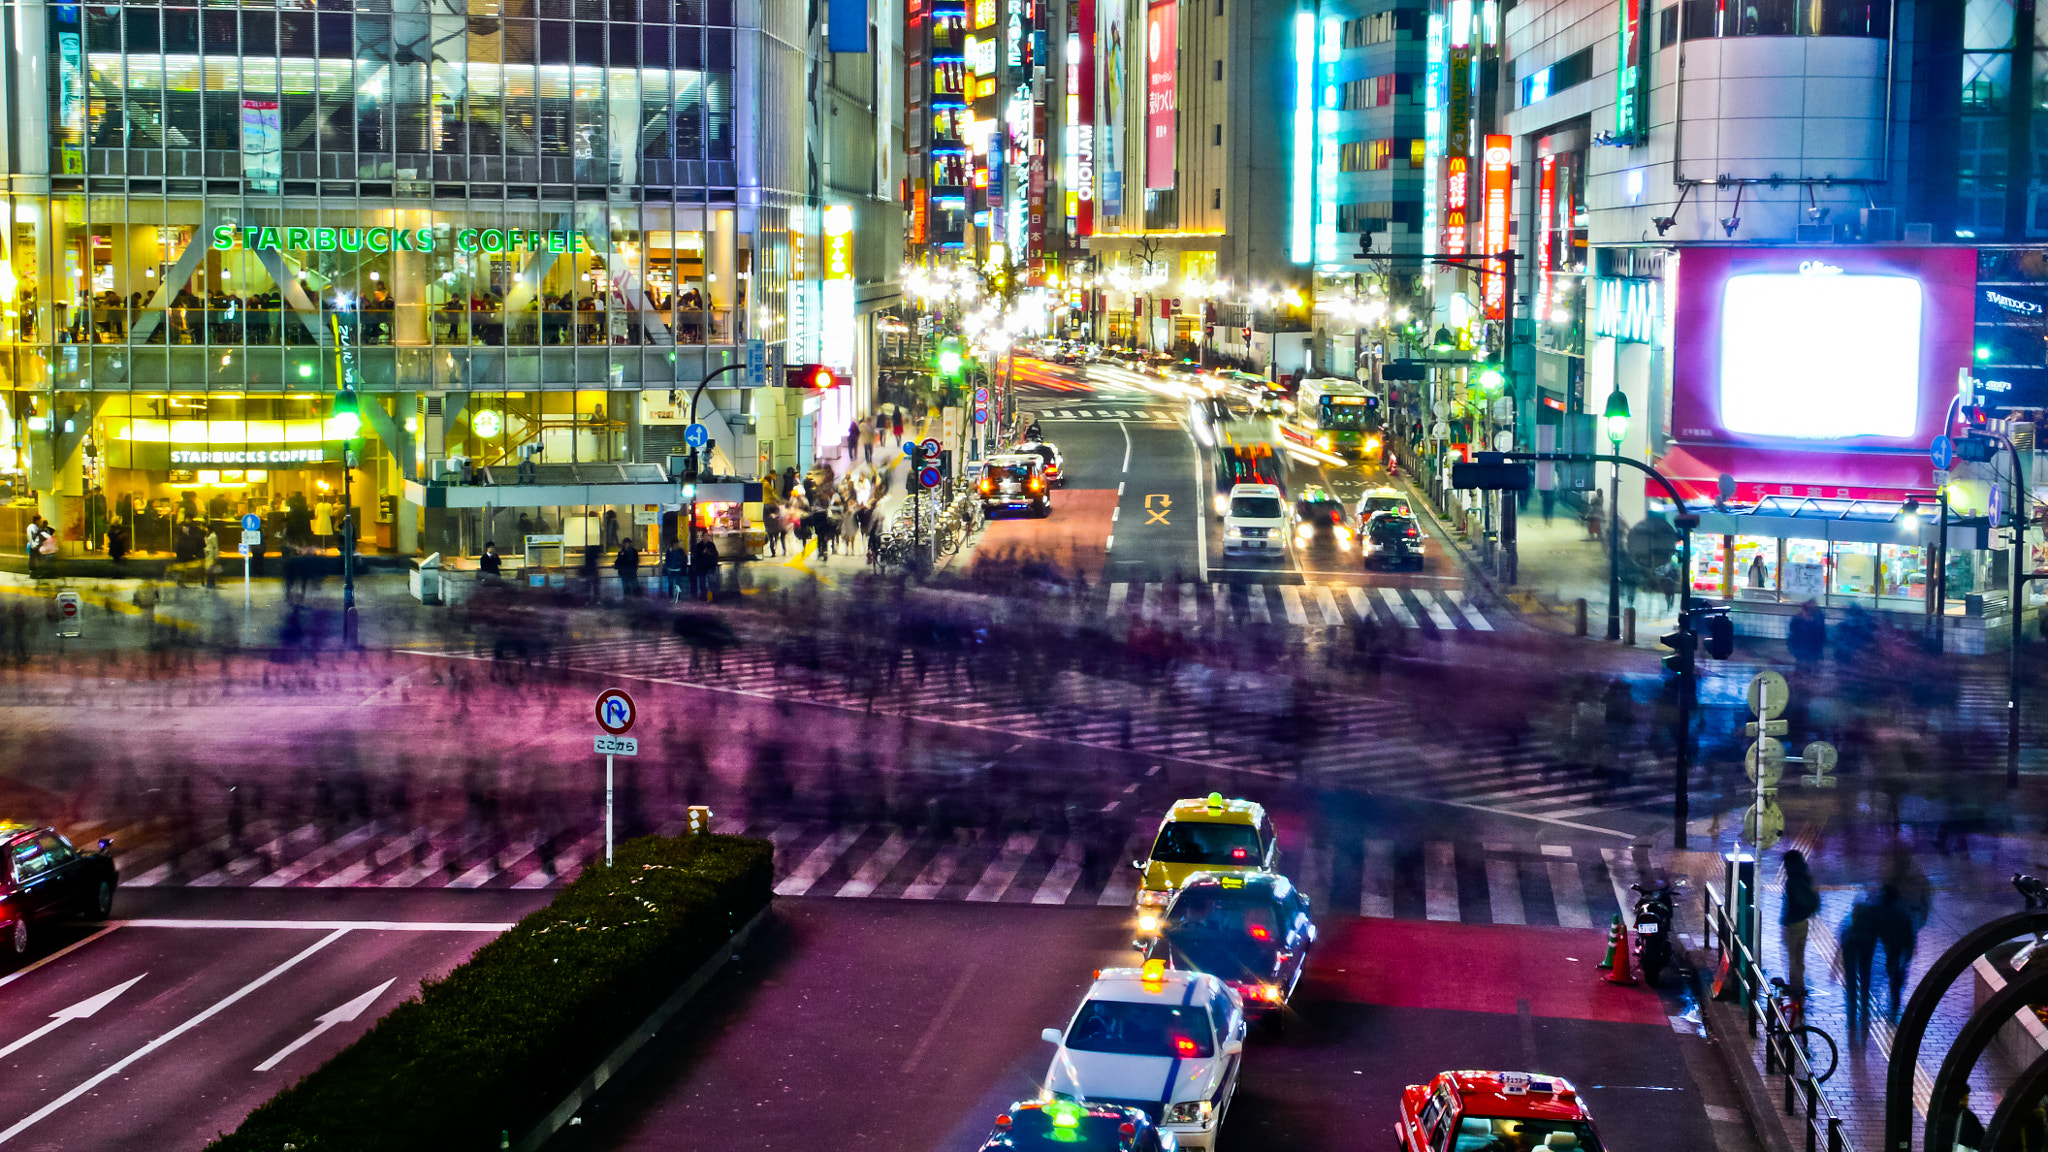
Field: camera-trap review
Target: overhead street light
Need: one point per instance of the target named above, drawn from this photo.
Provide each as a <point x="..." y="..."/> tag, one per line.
<point x="1615" y="422"/>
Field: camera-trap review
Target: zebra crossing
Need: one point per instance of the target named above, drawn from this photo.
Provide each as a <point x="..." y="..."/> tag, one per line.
<point x="1299" y="605"/>
<point x="1571" y="886"/>
<point x="1154" y="415"/>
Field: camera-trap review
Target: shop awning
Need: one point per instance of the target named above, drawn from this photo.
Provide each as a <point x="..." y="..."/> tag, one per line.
<point x="1825" y="518"/>
<point x="573" y="486"/>
<point x="1696" y="470"/>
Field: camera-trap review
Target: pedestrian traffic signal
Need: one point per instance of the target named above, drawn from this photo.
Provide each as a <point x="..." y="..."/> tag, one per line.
<point x="1717" y="630"/>
<point x="1681" y="643"/>
<point x="1976" y="449"/>
<point x="810" y="376"/>
<point x="1491" y="473"/>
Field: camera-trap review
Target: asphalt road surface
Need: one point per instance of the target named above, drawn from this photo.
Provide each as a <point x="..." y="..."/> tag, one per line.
<point x="163" y="1028"/>
<point x="905" y="1026"/>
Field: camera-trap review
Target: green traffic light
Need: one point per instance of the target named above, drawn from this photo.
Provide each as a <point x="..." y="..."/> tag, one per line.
<point x="348" y="417"/>
<point x="949" y="362"/>
<point x="1983" y="352"/>
<point x="1492" y="382"/>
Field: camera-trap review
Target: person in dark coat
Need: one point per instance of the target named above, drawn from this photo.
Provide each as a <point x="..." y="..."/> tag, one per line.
<point x="704" y="568"/>
<point x="675" y="570"/>
<point x="628" y="564"/>
<point x="490" y="563"/>
<point x="1806" y="637"/>
<point x="1802" y="900"/>
<point x="593" y="557"/>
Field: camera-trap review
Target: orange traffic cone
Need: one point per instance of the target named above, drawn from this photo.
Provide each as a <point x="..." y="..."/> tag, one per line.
<point x="1613" y="936"/>
<point x="1623" y="972"/>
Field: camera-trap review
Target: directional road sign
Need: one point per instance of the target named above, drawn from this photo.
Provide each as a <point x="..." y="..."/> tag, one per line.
<point x="1997" y="509"/>
<point x="696" y="436"/>
<point x="251" y="522"/>
<point x="250" y="537"/>
<point x="1943" y="452"/>
<point x="931" y="446"/>
<point x="615" y="712"/>
<point x="757" y="363"/>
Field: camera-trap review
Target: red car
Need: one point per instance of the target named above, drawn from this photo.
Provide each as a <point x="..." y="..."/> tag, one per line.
<point x="1496" y="1112"/>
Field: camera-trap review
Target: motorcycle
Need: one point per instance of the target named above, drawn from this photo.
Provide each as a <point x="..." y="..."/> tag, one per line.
<point x="1653" y="929"/>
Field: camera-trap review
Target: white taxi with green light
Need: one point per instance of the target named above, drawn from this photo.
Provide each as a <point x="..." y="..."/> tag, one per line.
<point x="1164" y="1042"/>
<point x="1205" y="834"/>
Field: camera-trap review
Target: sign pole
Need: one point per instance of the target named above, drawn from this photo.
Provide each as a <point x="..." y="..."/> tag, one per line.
<point x="608" y="810"/>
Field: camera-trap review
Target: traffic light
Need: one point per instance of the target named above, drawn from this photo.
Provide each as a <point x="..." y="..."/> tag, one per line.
<point x="810" y="376"/>
<point x="1681" y="643"/>
<point x="950" y="358"/>
<point x="1976" y="449"/>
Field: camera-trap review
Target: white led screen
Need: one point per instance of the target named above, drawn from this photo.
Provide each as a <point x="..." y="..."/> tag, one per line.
<point x="1820" y="356"/>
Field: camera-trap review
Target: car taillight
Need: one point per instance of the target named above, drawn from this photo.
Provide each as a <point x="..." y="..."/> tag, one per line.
<point x="1413" y="532"/>
<point x="1184" y="1047"/>
<point x="1259" y="932"/>
<point x="1239" y="854"/>
<point x="987" y="485"/>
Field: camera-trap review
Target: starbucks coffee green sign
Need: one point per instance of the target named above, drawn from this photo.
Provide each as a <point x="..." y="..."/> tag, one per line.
<point x="228" y="236"/>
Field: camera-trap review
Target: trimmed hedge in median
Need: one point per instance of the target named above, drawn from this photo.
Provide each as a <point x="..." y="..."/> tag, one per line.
<point x="507" y="1035"/>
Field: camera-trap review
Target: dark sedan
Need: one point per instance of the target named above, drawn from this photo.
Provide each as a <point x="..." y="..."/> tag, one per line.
<point x="47" y="879"/>
<point x="1073" y="1126"/>
<point x="1251" y="931"/>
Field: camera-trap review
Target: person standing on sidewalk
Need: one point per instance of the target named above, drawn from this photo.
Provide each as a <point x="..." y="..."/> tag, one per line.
<point x="675" y="569"/>
<point x="212" y="557"/>
<point x="490" y="563"/>
<point x="704" y="568"/>
<point x="1802" y="900"/>
<point x="628" y="564"/>
<point x="1595" y="512"/>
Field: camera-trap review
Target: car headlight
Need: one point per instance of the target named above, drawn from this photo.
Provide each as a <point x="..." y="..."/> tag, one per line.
<point x="1188" y="1112"/>
<point x="1148" y="922"/>
<point x="1232" y="530"/>
<point x="1343" y="533"/>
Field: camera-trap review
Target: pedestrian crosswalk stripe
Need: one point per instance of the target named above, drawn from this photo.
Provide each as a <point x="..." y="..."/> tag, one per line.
<point x="1436" y="613"/>
<point x="1504" y="890"/>
<point x="1002" y="872"/>
<point x="1570" y="895"/>
<point x="1060" y="880"/>
<point x="1440" y="881"/>
<point x="1401" y="614"/>
<point x="819" y="861"/>
<point x="878" y="866"/>
<point x="1376" y="880"/>
<point x="1471" y="613"/>
<point x="1190" y="607"/>
<point x="1290" y="601"/>
<point x="1117" y="593"/>
<point x="932" y="880"/>
<point x="1359" y="603"/>
<point x="1255" y="604"/>
<point x="1219" y="595"/>
<point x="1327" y="601"/>
<point x="1153" y="594"/>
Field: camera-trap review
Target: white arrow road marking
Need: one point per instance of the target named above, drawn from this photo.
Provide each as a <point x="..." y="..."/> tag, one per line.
<point x="118" y="1066"/>
<point x="63" y="1016"/>
<point x="341" y="1015"/>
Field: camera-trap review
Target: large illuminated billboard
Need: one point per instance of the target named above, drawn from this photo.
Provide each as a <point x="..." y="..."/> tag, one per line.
<point x="1819" y="347"/>
<point x="1162" y="56"/>
<point x="1862" y="378"/>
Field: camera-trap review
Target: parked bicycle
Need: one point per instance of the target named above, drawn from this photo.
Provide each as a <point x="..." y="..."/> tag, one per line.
<point x="1815" y="1044"/>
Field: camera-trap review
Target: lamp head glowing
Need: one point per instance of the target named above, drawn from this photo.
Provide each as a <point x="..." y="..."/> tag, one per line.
<point x="1615" y="418"/>
<point x="1492" y="382"/>
<point x="347" y="420"/>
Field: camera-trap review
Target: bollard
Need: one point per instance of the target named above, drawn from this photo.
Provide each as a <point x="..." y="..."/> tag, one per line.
<point x="1579" y="616"/>
<point x="1628" y="627"/>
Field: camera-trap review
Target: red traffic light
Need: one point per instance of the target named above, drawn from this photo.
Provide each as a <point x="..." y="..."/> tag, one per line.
<point x="811" y="376"/>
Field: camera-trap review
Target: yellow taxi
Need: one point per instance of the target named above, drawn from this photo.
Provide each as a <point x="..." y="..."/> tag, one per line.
<point x="1206" y="834"/>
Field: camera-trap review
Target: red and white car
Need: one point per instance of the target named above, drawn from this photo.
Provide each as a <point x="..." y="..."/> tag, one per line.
<point x="1523" y="1111"/>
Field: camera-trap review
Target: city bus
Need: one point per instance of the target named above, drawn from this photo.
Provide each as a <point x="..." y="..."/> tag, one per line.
<point x="1247" y="452"/>
<point x="1339" y="415"/>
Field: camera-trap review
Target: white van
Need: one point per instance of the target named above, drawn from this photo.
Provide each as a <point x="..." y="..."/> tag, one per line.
<point x="1255" y="524"/>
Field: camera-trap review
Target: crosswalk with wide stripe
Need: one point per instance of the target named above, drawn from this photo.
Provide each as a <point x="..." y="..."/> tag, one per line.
<point x="1243" y="723"/>
<point x="1154" y="414"/>
<point x="1551" y="884"/>
<point x="1311" y="606"/>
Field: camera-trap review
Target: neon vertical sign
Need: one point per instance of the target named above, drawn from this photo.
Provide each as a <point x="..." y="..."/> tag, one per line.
<point x="1498" y="178"/>
<point x="1301" y="230"/>
<point x="1546" y="208"/>
<point x="1432" y="131"/>
<point x="1632" y="76"/>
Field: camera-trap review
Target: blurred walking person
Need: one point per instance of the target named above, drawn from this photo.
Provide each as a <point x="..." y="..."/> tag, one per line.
<point x="1802" y="900"/>
<point x="704" y="568"/>
<point x="675" y="570"/>
<point x="628" y="564"/>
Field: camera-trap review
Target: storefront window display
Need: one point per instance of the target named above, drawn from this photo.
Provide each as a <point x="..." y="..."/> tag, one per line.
<point x="1805" y="571"/>
<point x="1905" y="571"/>
<point x="1756" y="567"/>
<point x="1855" y="569"/>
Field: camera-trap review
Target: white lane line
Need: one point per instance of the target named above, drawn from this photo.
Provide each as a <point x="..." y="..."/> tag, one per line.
<point x="1002" y="872"/>
<point x="1401" y="613"/>
<point x="1127" y="444"/>
<point x="326" y="1020"/>
<point x="819" y="862"/>
<point x="1327" y="601"/>
<point x="878" y="867"/>
<point x="931" y="1031"/>
<point x="1468" y="609"/>
<point x="1066" y="872"/>
<point x="1255" y="604"/>
<point x="115" y="1069"/>
<point x="1290" y="602"/>
<point x="1376" y="894"/>
<point x="1504" y="891"/>
<point x="1440" y="880"/>
<point x="1569" y="891"/>
<point x="1437" y="615"/>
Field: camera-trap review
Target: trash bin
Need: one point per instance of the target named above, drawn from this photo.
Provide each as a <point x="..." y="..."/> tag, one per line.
<point x="425" y="579"/>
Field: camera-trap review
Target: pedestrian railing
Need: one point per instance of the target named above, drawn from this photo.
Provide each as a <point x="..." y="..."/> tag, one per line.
<point x="1783" y="1054"/>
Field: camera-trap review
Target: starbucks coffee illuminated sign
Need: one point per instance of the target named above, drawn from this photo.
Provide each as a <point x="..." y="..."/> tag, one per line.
<point x="227" y="237"/>
<point x="279" y="457"/>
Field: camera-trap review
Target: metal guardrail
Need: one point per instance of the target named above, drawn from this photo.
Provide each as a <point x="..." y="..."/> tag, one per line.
<point x="1782" y="1056"/>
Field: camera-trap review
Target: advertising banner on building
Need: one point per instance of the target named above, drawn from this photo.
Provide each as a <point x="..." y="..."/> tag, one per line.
<point x="1632" y="78"/>
<point x="1162" y="53"/>
<point x="1080" y="177"/>
<point x="1830" y="349"/>
<point x="262" y="164"/>
<point x="1035" y="229"/>
<point x="1116" y="87"/>
<point x="1457" y="153"/>
<point x="1498" y="169"/>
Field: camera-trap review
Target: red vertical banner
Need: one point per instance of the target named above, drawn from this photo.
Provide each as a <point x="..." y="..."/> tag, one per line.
<point x="1162" y="51"/>
<point x="1035" y="232"/>
<point x="1498" y="178"/>
<point x="1546" y="211"/>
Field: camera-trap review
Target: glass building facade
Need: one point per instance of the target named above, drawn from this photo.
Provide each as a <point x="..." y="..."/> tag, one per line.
<point x="538" y="210"/>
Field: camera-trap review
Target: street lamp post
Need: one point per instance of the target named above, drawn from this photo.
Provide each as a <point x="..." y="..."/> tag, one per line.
<point x="348" y="418"/>
<point x="1615" y="422"/>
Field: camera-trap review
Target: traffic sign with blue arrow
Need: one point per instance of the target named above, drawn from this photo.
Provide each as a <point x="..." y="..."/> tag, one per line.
<point x="696" y="436"/>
